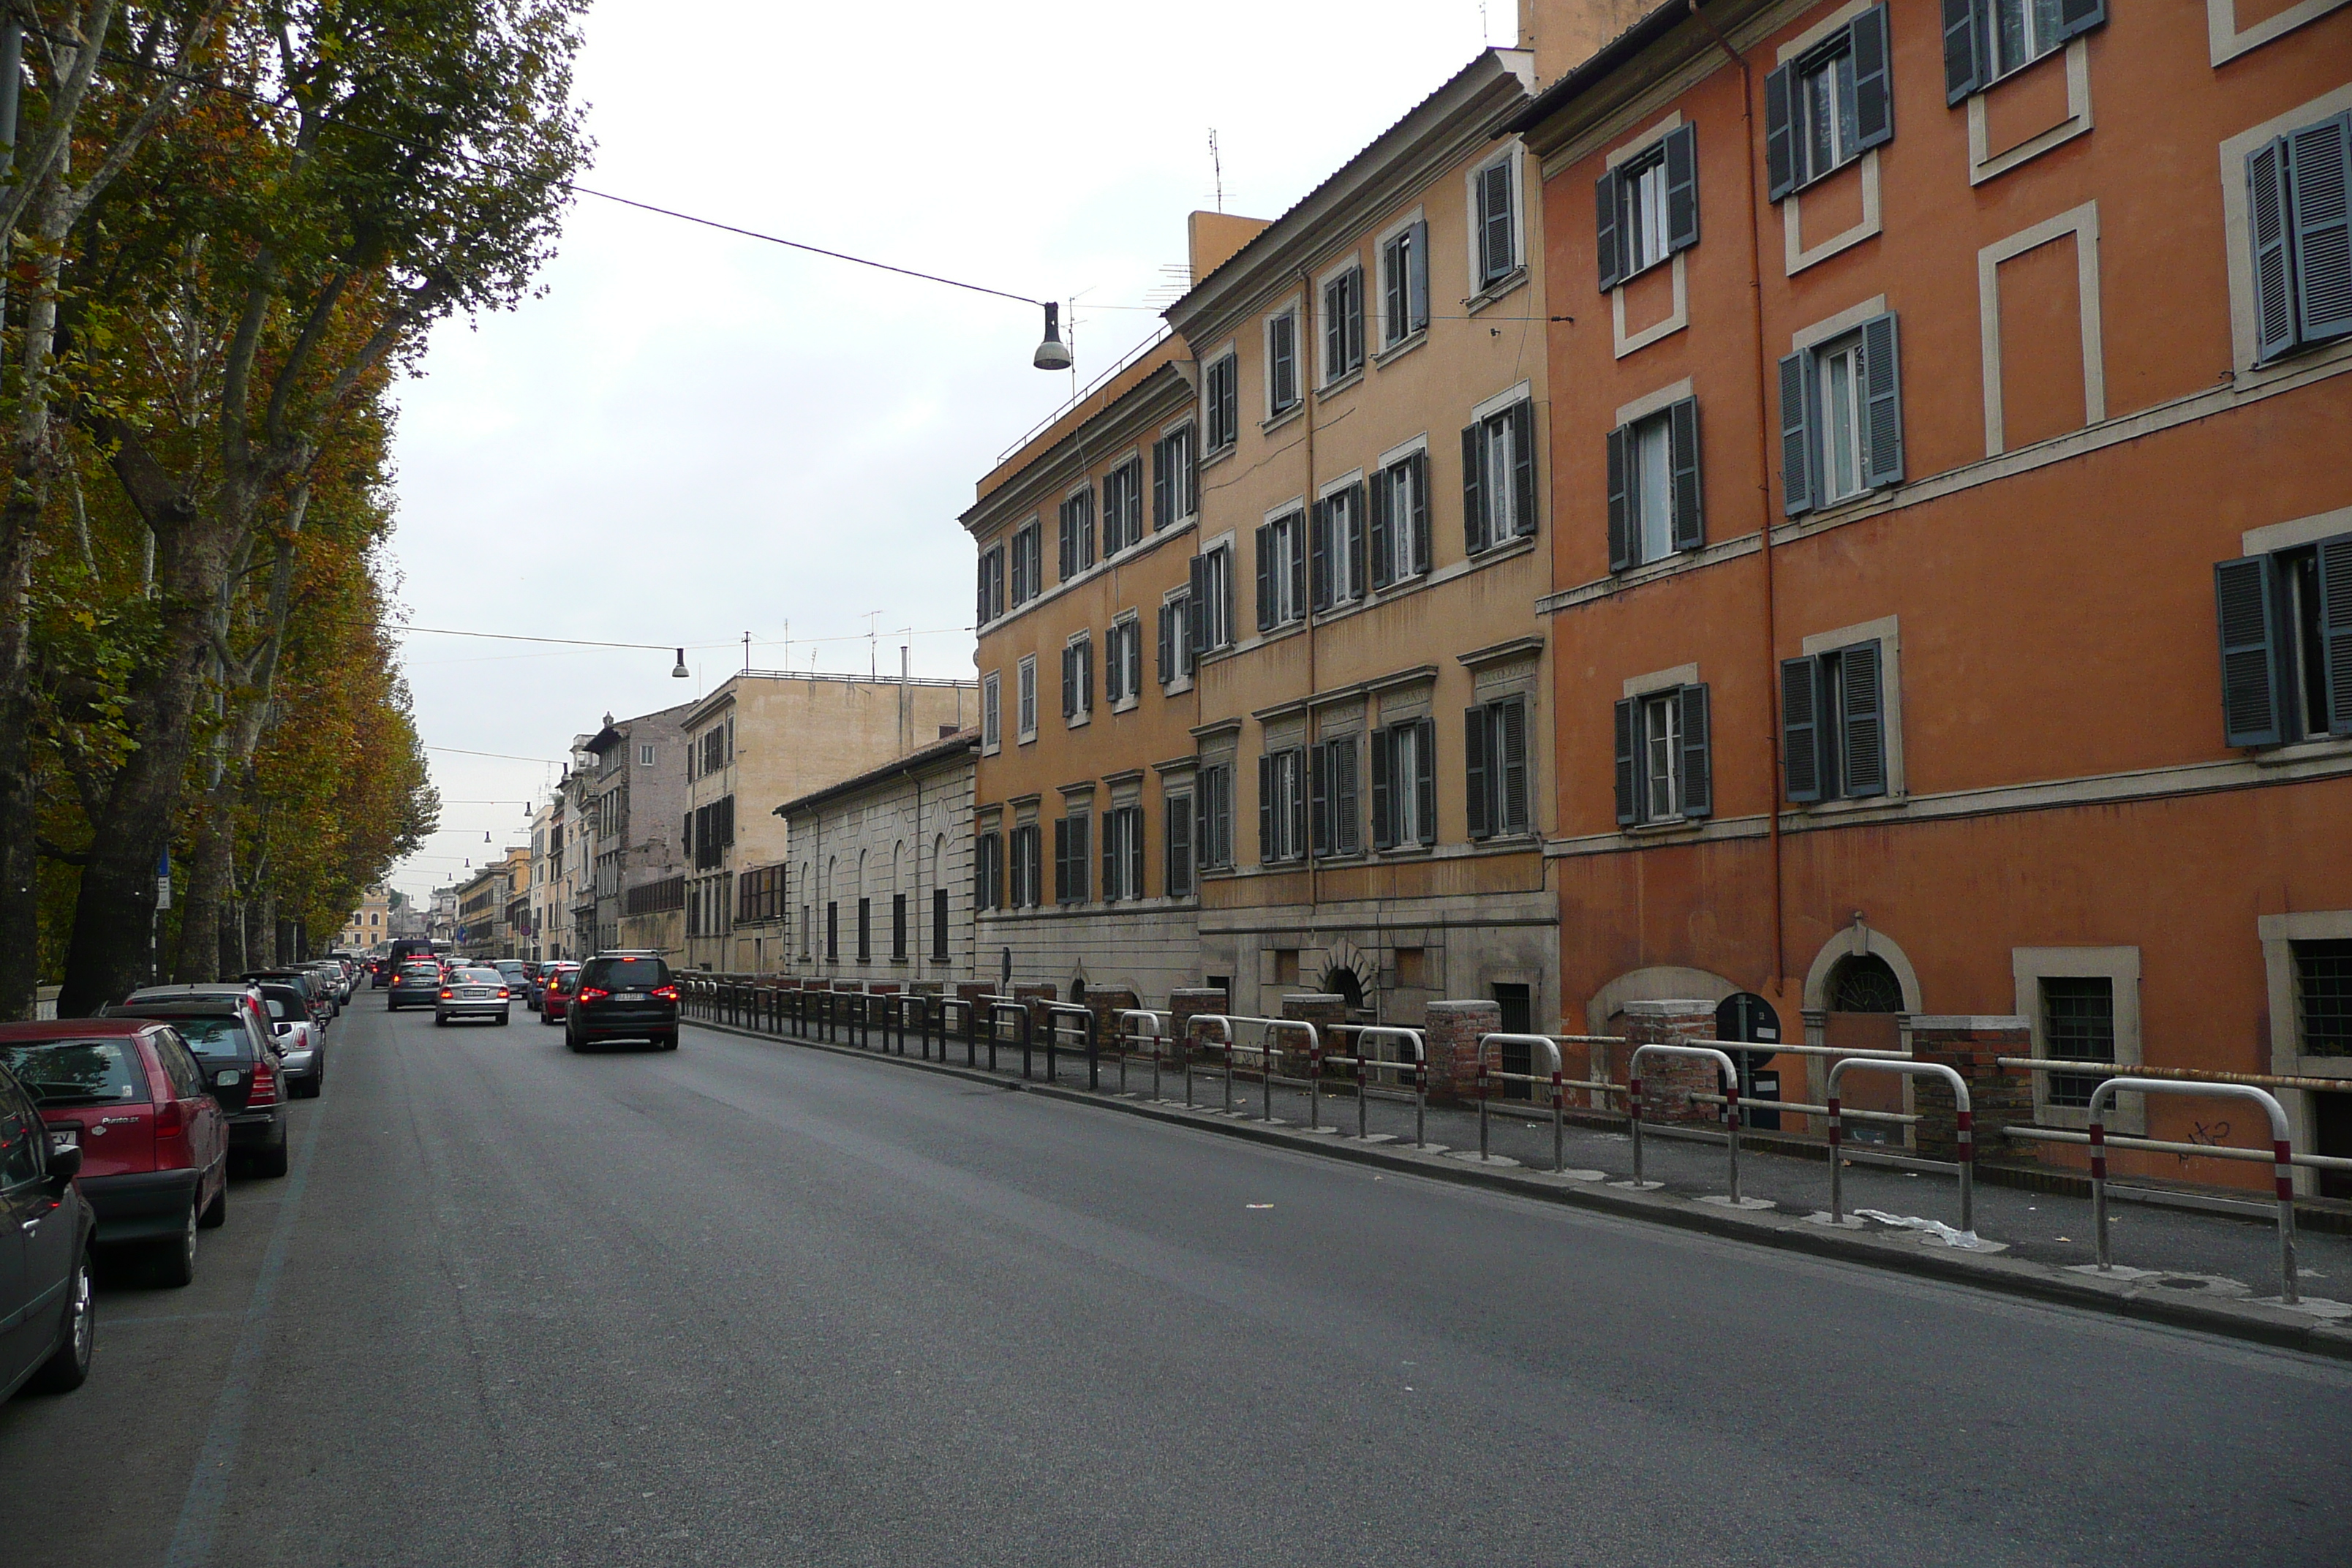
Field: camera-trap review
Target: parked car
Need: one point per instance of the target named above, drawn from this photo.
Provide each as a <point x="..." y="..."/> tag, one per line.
<point x="479" y="992"/>
<point x="46" y="1301"/>
<point x="622" y="996"/>
<point x="241" y="1067"/>
<point x="418" y="980"/>
<point x="322" y="1009"/>
<point x="555" y="993"/>
<point x="301" y="1045"/>
<point x="154" y="1142"/>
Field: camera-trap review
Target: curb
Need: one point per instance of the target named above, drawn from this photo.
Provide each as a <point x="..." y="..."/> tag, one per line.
<point x="2277" y="1326"/>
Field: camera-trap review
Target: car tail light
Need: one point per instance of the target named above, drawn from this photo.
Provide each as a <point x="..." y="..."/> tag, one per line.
<point x="593" y="993"/>
<point x="665" y="993"/>
<point x="169" y="1119"/>
<point x="502" y="993"/>
<point x="444" y="993"/>
<point x="263" y="1090"/>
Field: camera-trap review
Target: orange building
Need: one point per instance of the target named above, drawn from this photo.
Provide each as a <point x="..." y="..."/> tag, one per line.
<point x="1951" y="590"/>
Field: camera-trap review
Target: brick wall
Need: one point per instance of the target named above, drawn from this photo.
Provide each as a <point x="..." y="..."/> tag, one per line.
<point x="1970" y="1046"/>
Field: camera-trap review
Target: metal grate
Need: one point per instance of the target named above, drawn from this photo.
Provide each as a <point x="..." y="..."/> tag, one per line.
<point x="2323" y="996"/>
<point x="1866" y="984"/>
<point x="2078" y="1021"/>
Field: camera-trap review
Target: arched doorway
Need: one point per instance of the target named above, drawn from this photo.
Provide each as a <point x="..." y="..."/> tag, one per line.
<point x="1344" y="983"/>
<point x="1865" y="996"/>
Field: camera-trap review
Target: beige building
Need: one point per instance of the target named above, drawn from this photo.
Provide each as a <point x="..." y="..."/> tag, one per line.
<point x="369" y="925"/>
<point x="765" y="737"/>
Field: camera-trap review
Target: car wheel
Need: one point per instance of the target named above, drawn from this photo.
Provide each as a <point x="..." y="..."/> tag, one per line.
<point x="175" y="1256"/>
<point x="270" y="1159"/>
<point x="439" y="1022"/>
<point x="504" y="1019"/>
<point x="68" y="1368"/>
<point x="666" y="1042"/>
<point x="216" y="1214"/>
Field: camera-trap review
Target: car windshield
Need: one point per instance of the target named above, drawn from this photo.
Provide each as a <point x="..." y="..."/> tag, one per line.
<point x="625" y="974"/>
<point x="213" y="1037"/>
<point x="77" y="1072"/>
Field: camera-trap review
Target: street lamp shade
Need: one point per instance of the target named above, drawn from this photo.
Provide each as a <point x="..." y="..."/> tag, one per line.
<point x="678" y="672"/>
<point x="1053" y="354"/>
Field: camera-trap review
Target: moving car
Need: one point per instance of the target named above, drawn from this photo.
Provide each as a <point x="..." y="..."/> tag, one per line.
<point x="622" y="996"/>
<point x="241" y="1067"/>
<point x="130" y="1096"/>
<point x="517" y="971"/>
<point x="418" y="980"/>
<point x="47" y="1307"/>
<point x="555" y="995"/>
<point x="477" y="991"/>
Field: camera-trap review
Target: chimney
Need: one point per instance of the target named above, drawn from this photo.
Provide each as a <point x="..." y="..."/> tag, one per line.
<point x="1212" y="237"/>
<point x="947" y="730"/>
<point x="1564" y="34"/>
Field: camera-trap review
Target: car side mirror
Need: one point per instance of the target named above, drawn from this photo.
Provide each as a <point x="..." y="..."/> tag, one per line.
<point x="65" y="1165"/>
<point x="283" y="1028"/>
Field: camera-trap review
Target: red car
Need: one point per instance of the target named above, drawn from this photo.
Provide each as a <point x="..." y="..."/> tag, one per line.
<point x="153" y="1140"/>
<point x="563" y="980"/>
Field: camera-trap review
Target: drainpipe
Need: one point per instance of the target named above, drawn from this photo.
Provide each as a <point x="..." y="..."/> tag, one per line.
<point x="1306" y="392"/>
<point x="1764" y="487"/>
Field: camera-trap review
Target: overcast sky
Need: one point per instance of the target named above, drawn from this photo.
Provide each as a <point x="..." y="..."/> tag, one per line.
<point x="693" y="435"/>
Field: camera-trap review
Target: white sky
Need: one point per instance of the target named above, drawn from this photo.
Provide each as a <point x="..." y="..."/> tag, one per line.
<point x="694" y="434"/>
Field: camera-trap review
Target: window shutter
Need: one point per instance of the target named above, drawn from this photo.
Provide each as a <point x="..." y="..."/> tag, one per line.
<point x="2335" y="628"/>
<point x="1523" y="468"/>
<point x="1296" y="551"/>
<point x="2319" y="205"/>
<point x="1355" y="540"/>
<point x="1384" y="826"/>
<point x="1343" y="796"/>
<point x="1069" y="684"/>
<point x="1963" y="50"/>
<point x="1779" y="145"/>
<point x="1474" y="502"/>
<point x="1069" y="542"/>
<point x="1114" y="829"/>
<point x="1511" y="761"/>
<point x="1061" y="859"/>
<point x="1266" y="577"/>
<point x="1334" y="328"/>
<point x="1179" y="830"/>
<point x="1425" y="779"/>
<point x="1863" y="724"/>
<point x="1800" y="728"/>
<point x="1195" y="605"/>
<point x="1796" y="440"/>
<point x="1882" y="371"/>
<point x="1160" y="512"/>
<point x="980" y="611"/>
<point x="1682" y="445"/>
<point x="1698" y="762"/>
<point x="1265" y="808"/>
<point x="1166" y="644"/>
<point x="1416" y="277"/>
<point x="1682" y="188"/>
<point x="1874" y="89"/>
<point x="1297" y="802"/>
<point x="1618" y="500"/>
<point x="1494" y="247"/>
<point x="1420" y="562"/>
<point x="1606" y="227"/>
<point x="1396" y="292"/>
<point x="1318" y="796"/>
<point x="1086" y="651"/>
<point x="1629" y="748"/>
<point x="2250" y="684"/>
<point x="1319" y="534"/>
<point x="2266" y="209"/>
<point x="1080" y="829"/>
<point x="1384" y="557"/>
<point x="2080" y="15"/>
<point x="1474" y="773"/>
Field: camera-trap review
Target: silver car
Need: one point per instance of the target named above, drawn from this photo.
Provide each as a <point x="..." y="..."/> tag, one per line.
<point x="476" y="991"/>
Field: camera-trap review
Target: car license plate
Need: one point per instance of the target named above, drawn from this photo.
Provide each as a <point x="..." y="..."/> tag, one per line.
<point x="65" y="1138"/>
<point x="628" y="996"/>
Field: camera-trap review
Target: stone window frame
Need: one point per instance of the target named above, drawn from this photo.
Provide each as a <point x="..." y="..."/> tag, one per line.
<point x="2083" y="223"/>
<point x="2028" y="966"/>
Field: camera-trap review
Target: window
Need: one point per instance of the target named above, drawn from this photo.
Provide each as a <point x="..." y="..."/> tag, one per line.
<point x="1078" y="678"/>
<point x="1122" y="506"/>
<point x="2285" y="621"/>
<point x="991" y="734"/>
<point x="1282" y="806"/>
<point x="1176" y="811"/>
<point x="2302" y="235"/>
<point x="1123" y="660"/>
<point x="1281" y="570"/>
<point x="1654" y="487"/>
<point x="1071" y="833"/>
<point x="1122" y="856"/>
<point x="939" y="924"/>
<point x="1026" y="698"/>
<point x="864" y="931"/>
<point x="1220" y="396"/>
<point x="1829" y="106"/>
<point x="1281" y="364"/>
<point x="1405" y="284"/>
<point x="1176" y="638"/>
<point x="1498" y="477"/>
<point x="644" y="756"/>
<point x="1985" y="39"/>
<point x="1336" y="549"/>
<point x="1028" y="564"/>
<point x="2078" y="1015"/>
<point x="1404" y="784"/>
<point x="1398" y="531"/>
<point x="1833" y="724"/>
<point x="1664" y="770"/>
<point x="1842" y="418"/>
<point x="1077" y="534"/>
<point x="2323" y="996"/>
<point x="715" y="751"/>
<point x="1343" y="324"/>
<point x="1210" y="601"/>
<point x="1494" y="211"/>
<point x="832" y="930"/>
<point x="1028" y="867"/>
<point x="988" y="871"/>
<point x="898" y="928"/>
<point x="710" y="829"/>
<point x="1175" y="478"/>
<point x="1332" y="812"/>
<point x="1649" y="208"/>
<point x="1494" y="763"/>
<point x="1212" y="844"/>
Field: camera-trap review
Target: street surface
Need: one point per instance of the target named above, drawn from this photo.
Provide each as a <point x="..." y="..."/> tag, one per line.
<point x="750" y="1303"/>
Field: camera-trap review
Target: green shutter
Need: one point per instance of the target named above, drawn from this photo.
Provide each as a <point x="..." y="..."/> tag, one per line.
<point x="1613" y="251"/>
<point x="1384" y="558"/>
<point x="2080" y="15"/>
<point x="1800" y="728"/>
<point x="1319" y="552"/>
<point x="1425" y="778"/>
<point x="1473" y="505"/>
<point x="1343" y="796"/>
<point x="1796" y="437"/>
<point x="1780" y="143"/>
<point x="1417" y="278"/>
<point x="2335" y="628"/>
<point x="1383" y="819"/>
<point x="1420" y="563"/>
<point x="1265" y="576"/>
<point x="1061" y="859"/>
<point x="1523" y="468"/>
<point x="1682" y="447"/>
<point x="1475" y="773"/>
<point x="1318" y="799"/>
<point x="1698" y="762"/>
<point x="1964" y="50"/>
<point x="1881" y="373"/>
<point x="1873" y="87"/>
<point x="1510" y="759"/>
<point x="1354" y="542"/>
<point x="1862" y="720"/>
<point x="1265" y="808"/>
<point x="2245" y="611"/>
<point x="1629" y="746"/>
<point x="2266" y="213"/>
<point x="2319" y="205"/>
<point x="1621" y="508"/>
<point x="1682" y="188"/>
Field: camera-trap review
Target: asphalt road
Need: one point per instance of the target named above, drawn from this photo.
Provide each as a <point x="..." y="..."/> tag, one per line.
<point x="755" y="1304"/>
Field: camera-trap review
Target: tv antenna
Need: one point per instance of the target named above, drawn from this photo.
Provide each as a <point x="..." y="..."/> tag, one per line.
<point x="1217" y="168"/>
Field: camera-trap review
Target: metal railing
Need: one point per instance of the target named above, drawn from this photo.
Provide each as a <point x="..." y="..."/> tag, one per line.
<point x="1962" y="1115"/>
<point x="1367" y="1038"/>
<point x="1126" y="1038"/>
<point x="1553" y="1079"/>
<point x="1088" y="1025"/>
<point x="1731" y="1101"/>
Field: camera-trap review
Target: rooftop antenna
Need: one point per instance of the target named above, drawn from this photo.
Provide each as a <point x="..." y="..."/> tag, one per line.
<point x="747" y="653"/>
<point x="873" y="656"/>
<point x="1216" y="164"/>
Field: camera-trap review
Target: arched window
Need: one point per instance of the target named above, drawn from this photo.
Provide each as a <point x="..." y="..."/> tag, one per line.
<point x="1864" y="983"/>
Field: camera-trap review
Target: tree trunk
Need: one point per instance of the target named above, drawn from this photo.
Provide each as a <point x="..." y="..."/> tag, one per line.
<point x="201" y="926"/>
